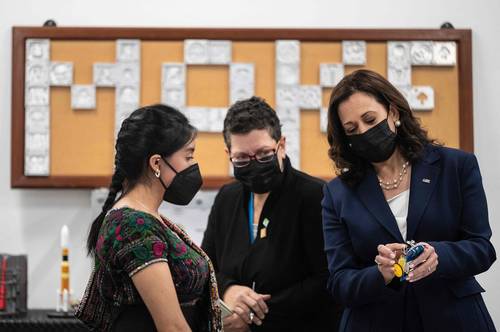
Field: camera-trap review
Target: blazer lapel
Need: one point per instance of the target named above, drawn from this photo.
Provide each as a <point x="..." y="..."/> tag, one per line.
<point x="424" y="177"/>
<point x="371" y="195"/>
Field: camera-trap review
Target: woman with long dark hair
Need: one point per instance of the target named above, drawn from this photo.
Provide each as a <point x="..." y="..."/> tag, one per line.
<point x="148" y="275"/>
<point x="396" y="187"/>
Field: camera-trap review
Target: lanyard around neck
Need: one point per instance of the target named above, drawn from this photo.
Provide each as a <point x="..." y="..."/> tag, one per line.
<point x="250" y="218"/>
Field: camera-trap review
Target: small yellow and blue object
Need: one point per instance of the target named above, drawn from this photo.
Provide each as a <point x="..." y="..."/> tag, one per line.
<point x="402" y="266"/>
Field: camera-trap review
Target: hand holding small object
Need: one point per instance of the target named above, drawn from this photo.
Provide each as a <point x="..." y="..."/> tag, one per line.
<point x="386" y="258"/>
<point x="424" y="265"/>
<point x="244" y="301"/>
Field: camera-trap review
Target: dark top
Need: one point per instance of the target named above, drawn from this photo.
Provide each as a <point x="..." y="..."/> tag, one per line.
<point x="447" y="209"/>
<point x="288" y="263"/>
<point x="129" y="241"/>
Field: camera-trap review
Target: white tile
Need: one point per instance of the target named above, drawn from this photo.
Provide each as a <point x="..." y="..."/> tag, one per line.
<point x="128" y="50"/>
<point x="405" y="91"/>
<point x="289" y="118"/>
<point x="398" y="54"/>
<point x="292" y="138"/>
<point x="422" y="98"/>
<point x="354" y="52"/>
<point x="242" y="81"/>
<point x="216" y="119"/>
<point x="421" y="53"/>
<point x="123" y="111"/>
<point x="287" y="97"/>
<point x="83" y="96"/>
<point x="242" y="74"/>
<point x="293" y="146"/>
<point x="127" y="94"/>
<point x="219" y="52"/>
<point x="240" y="92"/>
<point x="444" y="53"/>
<point x="323" y="119"/>
<point x="310" y="97"/>
<point x="173" y="75"/>
<point x="198" y="117"/>
<point x="37" y="143"/>
<point x="292" y="132"/>
<point x="38" y="49"/>
<point x="287" y="74"/>
<point x="330" y="74"/>
<point x="196" y="51"/>
<point x="399" y="76"/>
<point x="37" y="119"/>
<point x="61" y="73"/>
<point x="104" y="74"/>
<point x="288" y="51"/>
<point x="37" y="73"/>
<point x="37" y="96"/>
<point x="128" y="73"/>
<point x="175" y="97"/>
<point x="36" y="165"/>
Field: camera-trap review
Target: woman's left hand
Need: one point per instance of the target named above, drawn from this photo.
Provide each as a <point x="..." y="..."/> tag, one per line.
<point x="424" y="265"/>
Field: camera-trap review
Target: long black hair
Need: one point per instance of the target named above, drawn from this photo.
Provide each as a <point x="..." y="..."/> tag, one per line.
<point x="156" y="129"/>
<point x="411" y="137"/>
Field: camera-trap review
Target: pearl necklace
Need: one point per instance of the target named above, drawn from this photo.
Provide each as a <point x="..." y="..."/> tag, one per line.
<point x="394" y="184"/>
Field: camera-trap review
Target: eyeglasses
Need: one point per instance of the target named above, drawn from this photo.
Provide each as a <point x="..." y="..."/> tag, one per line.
<point x="261" y="157"/>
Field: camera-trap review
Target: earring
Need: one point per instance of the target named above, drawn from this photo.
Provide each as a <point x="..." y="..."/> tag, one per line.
<point x="397" y="123"/>
<point x="157" y="173"/>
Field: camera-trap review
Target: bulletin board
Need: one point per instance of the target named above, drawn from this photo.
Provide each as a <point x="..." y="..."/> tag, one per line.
<point x="82" y="142"/>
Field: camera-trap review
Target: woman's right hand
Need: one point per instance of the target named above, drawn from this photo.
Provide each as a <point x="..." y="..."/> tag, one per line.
<point x="387" y="257"/>
<point x="243" y="301"/>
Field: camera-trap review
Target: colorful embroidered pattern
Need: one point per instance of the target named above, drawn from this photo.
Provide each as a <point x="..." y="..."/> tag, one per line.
<point x="131" y="240"/>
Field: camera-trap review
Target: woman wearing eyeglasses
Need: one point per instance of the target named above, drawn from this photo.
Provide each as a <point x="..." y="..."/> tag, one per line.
<point x="264" y="233"/>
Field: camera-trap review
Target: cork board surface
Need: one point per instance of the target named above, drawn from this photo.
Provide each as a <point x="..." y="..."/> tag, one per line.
<point x="82" y="141"/>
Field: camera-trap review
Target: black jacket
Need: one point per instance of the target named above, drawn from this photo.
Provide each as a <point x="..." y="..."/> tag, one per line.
<point x="289" y="263"/>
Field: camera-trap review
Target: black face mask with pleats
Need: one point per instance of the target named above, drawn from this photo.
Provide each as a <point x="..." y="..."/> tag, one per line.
<point x="184" y="186"/>
<point x="376" y="144"/>
<point x="260" y="177"/>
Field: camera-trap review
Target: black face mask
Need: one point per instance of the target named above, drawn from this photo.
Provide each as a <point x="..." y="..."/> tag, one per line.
<point x="184" y="186"/>
<point x="260" y="177"/>
<point x="376" y="144"/>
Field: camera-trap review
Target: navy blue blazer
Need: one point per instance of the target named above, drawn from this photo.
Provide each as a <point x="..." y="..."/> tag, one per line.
<point x="448" y="210"/>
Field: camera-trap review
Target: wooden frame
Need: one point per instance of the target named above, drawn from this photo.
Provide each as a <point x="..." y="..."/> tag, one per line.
<point x="463" y="38"/>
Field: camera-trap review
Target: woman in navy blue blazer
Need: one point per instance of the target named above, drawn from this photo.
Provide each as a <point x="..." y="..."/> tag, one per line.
<point x="396" y="185"/>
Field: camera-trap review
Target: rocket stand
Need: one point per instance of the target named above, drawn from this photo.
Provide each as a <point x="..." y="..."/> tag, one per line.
<point x="63" y="307"/>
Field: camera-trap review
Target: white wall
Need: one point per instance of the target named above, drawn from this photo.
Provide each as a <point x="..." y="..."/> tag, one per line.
<point x="31" y="219"/>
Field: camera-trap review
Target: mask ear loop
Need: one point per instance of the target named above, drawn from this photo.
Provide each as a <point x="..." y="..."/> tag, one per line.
<point x="168" y="164"/>
<point x="171" y="167"/>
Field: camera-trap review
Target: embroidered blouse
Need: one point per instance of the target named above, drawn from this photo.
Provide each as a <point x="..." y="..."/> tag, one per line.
<point x="131" y="240"/>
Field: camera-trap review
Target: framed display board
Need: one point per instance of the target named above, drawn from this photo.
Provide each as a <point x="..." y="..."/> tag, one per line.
<point x="72" y="87"/>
